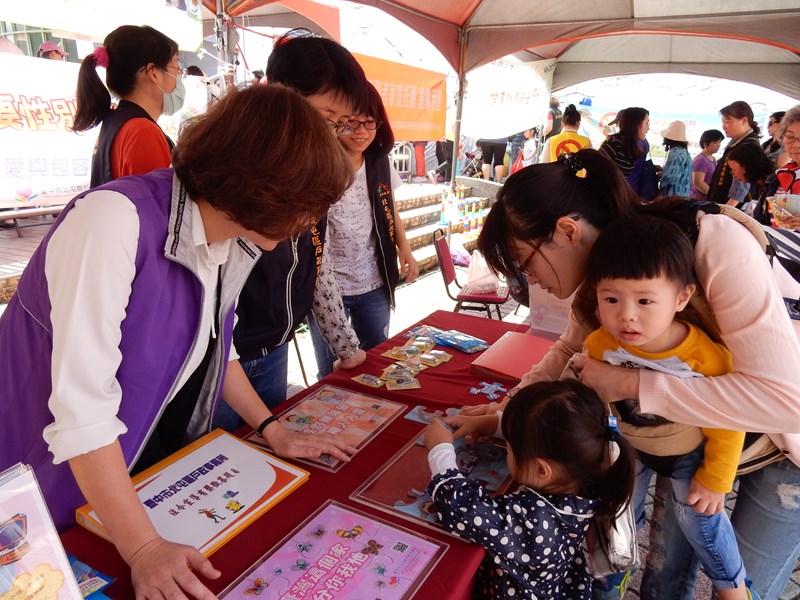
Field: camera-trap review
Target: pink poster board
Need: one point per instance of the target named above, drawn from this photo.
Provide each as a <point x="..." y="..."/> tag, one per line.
<point x="355" y="417"/>
<point x="399" y="487"/>
<point x="339" y="553"/>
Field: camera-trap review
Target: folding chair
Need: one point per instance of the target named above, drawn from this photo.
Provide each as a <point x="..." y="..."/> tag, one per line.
<point x="465" y="299"/>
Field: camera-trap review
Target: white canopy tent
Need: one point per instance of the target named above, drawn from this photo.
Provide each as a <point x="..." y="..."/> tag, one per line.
<point x="754" y="41"/>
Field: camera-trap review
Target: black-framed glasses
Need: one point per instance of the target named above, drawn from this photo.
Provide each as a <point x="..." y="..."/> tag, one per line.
<point x="525" y="264"/>
<point x="370" y="125"/>
<point x="340" y="128"/>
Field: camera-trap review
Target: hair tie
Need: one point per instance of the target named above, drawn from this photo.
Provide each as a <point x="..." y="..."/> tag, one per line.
<point x="612" y="431"/>
<point x="571" y="161"/>
<point x="101" y="56"/>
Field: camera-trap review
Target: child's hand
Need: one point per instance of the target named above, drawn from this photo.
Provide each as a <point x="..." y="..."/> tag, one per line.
<point x="703" y="500"/>
<point x="436" y="434"/>
<point x="471" y="427"/>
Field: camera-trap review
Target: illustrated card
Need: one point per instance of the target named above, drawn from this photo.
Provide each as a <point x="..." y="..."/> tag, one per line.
<point x="340" y="552"/>
<point x="354" y="416"/>
<point x="399" y="488"/>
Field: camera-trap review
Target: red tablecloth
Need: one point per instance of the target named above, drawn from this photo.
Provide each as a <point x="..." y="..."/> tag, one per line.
<point x="445" y="385"/>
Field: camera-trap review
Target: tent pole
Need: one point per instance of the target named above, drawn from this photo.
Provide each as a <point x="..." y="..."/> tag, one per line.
<point x="462" y="85"/>
<point x="222" y="51"/>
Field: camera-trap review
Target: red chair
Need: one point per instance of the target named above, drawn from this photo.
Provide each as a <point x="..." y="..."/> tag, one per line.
<point x="465" y="299"/>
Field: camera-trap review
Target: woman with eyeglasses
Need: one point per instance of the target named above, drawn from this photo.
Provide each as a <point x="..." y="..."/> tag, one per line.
<point x="365" y="233"/>
<point x="296" y="278"/>
<point x="786" y="179"/>
<point x="546" y="220"/>
<point x="108" y="369"/>
<point x="143" y="70"/>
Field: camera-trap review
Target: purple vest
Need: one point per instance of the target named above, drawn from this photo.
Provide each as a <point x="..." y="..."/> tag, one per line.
<point x="158" y="331"/>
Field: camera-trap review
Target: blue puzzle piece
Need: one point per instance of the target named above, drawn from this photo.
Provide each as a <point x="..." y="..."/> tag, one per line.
<point x="490" y="389"/>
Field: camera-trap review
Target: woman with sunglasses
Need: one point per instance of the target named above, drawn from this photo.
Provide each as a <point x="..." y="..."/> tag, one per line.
<point x="143" y="70"/>
<point x="546" y="220"/>
<point x="365" y="233"/>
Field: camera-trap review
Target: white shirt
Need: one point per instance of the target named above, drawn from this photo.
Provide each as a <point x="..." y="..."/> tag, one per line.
<point x="90" y="265"/>
<point x="352" y="245"/>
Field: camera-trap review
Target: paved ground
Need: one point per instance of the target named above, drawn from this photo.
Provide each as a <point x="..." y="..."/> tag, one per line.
<point x="414" y="301"/>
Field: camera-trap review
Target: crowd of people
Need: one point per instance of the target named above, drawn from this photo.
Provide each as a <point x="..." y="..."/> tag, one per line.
<point x="161" y="302"/>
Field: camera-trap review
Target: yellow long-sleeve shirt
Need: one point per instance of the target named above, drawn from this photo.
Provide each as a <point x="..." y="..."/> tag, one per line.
<point x="696" y="356"/>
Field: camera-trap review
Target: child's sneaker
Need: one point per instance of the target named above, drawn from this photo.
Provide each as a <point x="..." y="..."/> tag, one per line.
<point x="751" y="594"/>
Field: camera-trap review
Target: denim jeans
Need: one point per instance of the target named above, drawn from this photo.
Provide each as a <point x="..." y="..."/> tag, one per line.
<point x="369" y="315"/>
<point x="766" y="520"/>
<point x="711" y="536"/>
<point x="268" y="375"/>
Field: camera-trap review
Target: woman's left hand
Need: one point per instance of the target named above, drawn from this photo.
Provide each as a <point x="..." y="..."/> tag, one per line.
<point x="408" y="265"/>
<point x="291" y="444"/>
<point x="611" y="383"/>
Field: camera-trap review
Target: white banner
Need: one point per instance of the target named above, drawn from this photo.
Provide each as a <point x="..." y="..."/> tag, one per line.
<point x="504" y="98"/>
<point x="39" y="154"/>
<point x="92" y="19"/>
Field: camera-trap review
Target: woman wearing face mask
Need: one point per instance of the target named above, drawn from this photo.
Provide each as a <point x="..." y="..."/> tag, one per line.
<point x="142" y="68"/>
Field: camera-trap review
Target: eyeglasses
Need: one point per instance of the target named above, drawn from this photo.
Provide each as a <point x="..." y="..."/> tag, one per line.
<point x="368" y="125"/>
<point x="523" y="266"/>
<point x="340" y="128"/>
<point x="789" y="140"/>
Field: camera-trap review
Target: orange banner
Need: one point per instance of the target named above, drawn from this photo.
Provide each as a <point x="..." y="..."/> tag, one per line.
<point x="414" y="98"/>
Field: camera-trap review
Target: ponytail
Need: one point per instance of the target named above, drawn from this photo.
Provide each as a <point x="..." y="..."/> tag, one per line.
<point x="124" y="53"/>
<point x="741" y="110"/>
<point x="565" y="421"/>
<point x="614" y="486"/>
<point x="93" y="102"/>
<point x="533" y="199"/>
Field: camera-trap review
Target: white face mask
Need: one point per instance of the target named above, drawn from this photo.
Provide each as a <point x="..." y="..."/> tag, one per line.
<point x="173" y="101"/>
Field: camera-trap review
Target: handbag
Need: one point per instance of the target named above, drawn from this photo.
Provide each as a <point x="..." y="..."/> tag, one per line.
<point x="519" y="163"/>
<point x="612" y="548"/>
<point x="648" y="181"/>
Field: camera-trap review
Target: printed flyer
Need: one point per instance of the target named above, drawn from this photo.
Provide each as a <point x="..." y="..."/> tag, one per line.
<point x="350" y="415"/>
<point x="207" y="492"/>
<point x="340" y="552"/>
<point x="33" y="565"/>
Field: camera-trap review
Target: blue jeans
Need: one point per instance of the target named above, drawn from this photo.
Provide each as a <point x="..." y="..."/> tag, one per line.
<point x="711" y="536"/>
<point x="369" y="315"/>
<point x="766" y="519"/>
<point x="268" y="375"/>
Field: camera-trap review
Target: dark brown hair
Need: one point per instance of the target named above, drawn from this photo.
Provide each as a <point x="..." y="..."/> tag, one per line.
<point x="740" y="110"/>
<point x="314" y="65"/>
<point x="641" y="247"/>
<point x="130" y="49"/>
<point x="384" y="136"/>
<point x="264" y="157"/>
<point x="533" y="199"/>
<point x="757" y="165"/>
<point x="571" y="116"/>
<point x="629" y="124"/>
<point x="565" y="421"/>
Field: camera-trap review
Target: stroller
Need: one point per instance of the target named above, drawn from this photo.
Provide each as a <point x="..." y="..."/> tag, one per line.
<point x="472" y="166"/>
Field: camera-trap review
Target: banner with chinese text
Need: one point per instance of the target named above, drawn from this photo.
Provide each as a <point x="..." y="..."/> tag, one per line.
<point x="415" y="98"/>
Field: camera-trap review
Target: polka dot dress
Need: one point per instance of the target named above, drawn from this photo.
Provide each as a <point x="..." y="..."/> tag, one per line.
<point x="532" y="541"/>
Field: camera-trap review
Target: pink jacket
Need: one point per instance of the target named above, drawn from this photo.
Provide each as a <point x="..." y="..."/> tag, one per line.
<point x="762" y="394"/>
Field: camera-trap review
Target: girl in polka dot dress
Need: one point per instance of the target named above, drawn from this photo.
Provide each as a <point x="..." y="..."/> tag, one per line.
<point x="558" y="451"/>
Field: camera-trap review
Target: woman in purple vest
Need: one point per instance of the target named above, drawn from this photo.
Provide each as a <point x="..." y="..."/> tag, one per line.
<point x="116" y="347"/>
